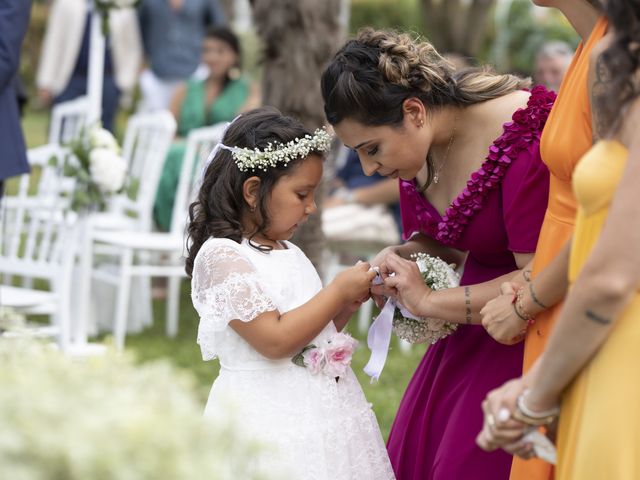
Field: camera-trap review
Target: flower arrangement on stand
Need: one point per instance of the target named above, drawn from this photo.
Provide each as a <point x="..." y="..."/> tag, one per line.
<point x="94" y="161"/>
<point x="107" y="418"/>
<point x="437" y="275"/>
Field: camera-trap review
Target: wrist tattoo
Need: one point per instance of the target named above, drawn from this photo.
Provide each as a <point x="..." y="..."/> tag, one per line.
<point x="527" y="275"/>
<point x="535" y="299"/>
<point x="591" y="315"/>
<point x="467" y="304"/>
<point x="600" y="95"/>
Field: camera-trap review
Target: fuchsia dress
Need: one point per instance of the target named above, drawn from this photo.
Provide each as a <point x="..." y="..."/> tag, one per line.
<point x="500" y="212"/>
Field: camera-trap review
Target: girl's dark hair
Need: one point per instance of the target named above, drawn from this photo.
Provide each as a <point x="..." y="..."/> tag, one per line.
<point x="621" y="60"/>
<point x="370" y="77"/>
<point x="220" y="205"/>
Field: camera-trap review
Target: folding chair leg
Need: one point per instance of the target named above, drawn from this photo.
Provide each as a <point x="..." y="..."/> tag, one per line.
<point x="173" y="303"/>
<point x="122" y="300"/>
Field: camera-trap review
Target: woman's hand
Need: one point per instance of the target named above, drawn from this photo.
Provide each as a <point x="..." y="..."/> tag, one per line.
<point x="406" y="283"/>
<point x="500" y="430"/>
<point x="380" y="293"/>
<point x="499" y="317"/>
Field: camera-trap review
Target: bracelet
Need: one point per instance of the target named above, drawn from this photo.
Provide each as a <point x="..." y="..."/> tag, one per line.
<point x="535" y="299"/>
<point x="518" y="307"/>
<point x="524" y="414"/>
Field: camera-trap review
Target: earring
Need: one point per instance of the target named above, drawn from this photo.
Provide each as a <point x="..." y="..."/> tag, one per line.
<point x="253" y="208"/>
<point x="421" y="124"/>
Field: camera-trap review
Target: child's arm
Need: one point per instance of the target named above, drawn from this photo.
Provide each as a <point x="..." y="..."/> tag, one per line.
<point x="276" y="335"/>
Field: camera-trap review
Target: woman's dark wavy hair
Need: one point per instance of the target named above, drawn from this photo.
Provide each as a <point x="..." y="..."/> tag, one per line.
<point x="220" y="205"/>
<point x="622" y="59"/>
<point x="227" y="36"/>
<point x="370" y="77"/>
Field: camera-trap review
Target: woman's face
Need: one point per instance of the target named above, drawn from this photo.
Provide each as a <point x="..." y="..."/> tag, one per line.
<point x="389" y="151"/>
<point x="218" y="56"/>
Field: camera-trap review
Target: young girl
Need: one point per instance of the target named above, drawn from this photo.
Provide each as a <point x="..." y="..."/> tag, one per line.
<point x="262" y="306"/>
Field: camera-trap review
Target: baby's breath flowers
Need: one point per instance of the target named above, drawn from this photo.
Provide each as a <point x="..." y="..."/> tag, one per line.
<point x="437" y="275"/>
<point x="256" y="159"/>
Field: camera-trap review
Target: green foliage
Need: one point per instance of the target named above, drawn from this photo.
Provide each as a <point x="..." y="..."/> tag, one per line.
<point x="526" y="32"/>
<point x="403" y="15"/>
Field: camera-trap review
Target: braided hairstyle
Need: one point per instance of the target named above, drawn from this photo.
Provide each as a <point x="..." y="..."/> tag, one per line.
<point x="621" y="60"/>
<point x="220" y="205"/>
<point x="370" y="77"/>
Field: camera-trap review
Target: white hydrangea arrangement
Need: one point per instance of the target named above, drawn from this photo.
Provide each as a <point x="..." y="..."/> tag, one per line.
<point x="98" y="168"/>
<point x="437" y="275"/>
<point x="104" y="418"/>
<point x="247" y="159"/>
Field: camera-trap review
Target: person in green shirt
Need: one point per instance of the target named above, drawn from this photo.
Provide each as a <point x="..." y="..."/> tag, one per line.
<point x="198" y="103"/>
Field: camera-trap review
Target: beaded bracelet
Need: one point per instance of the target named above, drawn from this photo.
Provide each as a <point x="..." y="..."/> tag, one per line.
<point x="524" y="414"/>
<point x="518" y="307"/>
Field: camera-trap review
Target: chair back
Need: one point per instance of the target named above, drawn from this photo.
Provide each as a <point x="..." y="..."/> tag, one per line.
<point x="146" y="144"/>
<point x="67" y="120"/>
<point x="200" y="143"/>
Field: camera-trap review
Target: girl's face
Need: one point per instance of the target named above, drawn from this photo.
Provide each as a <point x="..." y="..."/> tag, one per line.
<point x="389" y="151"/>
<point x="292" y="199"/>
<point x="218" y="56"/>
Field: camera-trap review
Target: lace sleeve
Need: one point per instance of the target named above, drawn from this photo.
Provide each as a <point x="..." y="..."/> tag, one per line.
<point x="225" y="286"/>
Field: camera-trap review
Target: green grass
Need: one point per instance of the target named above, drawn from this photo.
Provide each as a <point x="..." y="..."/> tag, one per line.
<point x="184" y="353"/>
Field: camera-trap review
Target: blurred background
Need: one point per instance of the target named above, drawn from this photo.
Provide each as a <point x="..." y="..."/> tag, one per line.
<point x="283" y="45"/>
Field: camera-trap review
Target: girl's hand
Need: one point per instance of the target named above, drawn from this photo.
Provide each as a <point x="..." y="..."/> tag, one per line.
<point x="499" y="318"/>
<point x="407" y="284"/>
<point x="380" y="293"/>
<point x="353" y="283"/>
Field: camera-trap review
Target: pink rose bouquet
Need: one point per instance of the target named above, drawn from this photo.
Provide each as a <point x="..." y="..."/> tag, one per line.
<point x="331" y="357"/>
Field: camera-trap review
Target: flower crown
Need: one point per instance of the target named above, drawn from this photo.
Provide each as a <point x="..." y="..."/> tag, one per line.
<point x="247" y="159"/>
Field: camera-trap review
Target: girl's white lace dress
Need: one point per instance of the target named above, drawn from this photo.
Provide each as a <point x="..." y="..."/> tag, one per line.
<point x="318" y="428"/>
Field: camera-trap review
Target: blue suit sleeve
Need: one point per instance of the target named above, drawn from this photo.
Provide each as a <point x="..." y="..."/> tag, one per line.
<point x="14" y="19"/>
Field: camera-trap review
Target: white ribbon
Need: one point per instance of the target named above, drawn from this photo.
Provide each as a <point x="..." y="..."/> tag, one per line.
<point x="379" y="335"/>
<point x="218" y="147"/>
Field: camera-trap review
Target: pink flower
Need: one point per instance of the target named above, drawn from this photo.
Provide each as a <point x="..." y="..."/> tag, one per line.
<point x="338" y="352"/>
<point x="314" y="360"/>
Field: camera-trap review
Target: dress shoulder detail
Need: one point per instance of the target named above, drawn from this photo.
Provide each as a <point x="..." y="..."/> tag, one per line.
<point x="524" y="129"/>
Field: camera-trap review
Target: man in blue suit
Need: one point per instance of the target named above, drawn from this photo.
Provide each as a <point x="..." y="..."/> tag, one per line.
<point x="14" y="19"/>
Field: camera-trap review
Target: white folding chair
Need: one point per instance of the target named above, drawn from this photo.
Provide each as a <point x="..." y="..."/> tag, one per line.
<point x="38" y="240"/>
<point x="157" y="254"/>
<point x="147" y="141"/>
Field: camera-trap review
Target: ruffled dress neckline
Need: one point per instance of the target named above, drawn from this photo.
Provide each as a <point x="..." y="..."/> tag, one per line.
<point x="518" y="134"/>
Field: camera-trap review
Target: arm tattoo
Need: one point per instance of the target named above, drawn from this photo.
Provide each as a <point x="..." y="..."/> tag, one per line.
<point x="467" y="304"/>
<point x="599" y="95"/>
<point x="591" y="315"/>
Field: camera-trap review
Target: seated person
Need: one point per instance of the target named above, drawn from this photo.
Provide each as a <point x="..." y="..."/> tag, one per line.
<point x="199" y="103"/>
<point x="361" y="208"/>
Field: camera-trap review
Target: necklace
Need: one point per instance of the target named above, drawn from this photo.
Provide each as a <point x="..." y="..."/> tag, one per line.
<point x="436" y="174"/>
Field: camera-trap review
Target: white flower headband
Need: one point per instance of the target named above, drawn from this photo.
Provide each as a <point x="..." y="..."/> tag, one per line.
<point x="247" y="159"/>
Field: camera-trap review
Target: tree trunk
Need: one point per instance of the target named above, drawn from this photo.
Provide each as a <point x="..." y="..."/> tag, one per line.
<point x="298" y="39"/>
<point x="455" y="26"/>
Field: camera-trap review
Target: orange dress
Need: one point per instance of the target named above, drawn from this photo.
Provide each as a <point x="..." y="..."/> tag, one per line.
<point x="566" y="137"/>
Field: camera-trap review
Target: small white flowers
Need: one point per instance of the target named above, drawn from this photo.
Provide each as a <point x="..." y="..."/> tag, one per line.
<point x="101" y="138"/>
<point x="257" y="159"/>
<point x="437" y="275"/>
<point x="108" y="169"/>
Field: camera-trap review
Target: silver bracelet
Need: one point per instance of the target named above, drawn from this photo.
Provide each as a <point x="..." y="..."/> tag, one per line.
<point x="530" y="417"/>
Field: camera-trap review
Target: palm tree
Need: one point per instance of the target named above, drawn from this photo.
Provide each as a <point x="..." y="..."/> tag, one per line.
<point x="298" y="38"/>
<point x="457" y="26"/>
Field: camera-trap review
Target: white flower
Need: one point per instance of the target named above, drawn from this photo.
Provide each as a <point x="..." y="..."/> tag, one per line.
<point x="108" y="169"/>
<point x="101" y="138"/>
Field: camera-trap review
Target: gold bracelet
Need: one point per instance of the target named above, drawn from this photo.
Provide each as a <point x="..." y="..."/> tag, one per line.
<point x="524" y="414"/>
<point x="518" y="307"/>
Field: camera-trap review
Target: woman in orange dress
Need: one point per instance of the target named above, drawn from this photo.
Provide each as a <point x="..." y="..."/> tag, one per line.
<point x="566" y="137"/>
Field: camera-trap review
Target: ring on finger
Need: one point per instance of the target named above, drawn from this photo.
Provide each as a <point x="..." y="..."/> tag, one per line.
<point x="491" y="420"/>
